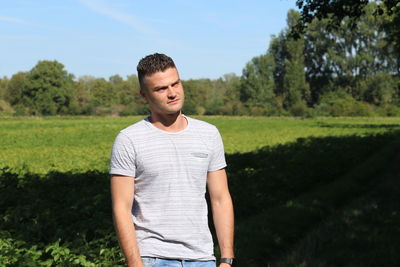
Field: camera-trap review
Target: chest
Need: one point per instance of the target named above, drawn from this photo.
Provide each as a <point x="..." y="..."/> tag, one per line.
<point x="173" y="156"/>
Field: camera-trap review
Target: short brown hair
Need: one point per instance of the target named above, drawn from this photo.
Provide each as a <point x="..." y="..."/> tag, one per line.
<point x="152" y="64"/>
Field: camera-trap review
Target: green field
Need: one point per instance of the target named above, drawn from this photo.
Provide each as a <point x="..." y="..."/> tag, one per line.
<point x="294" y="182"/>
<point x="40" y="145"/>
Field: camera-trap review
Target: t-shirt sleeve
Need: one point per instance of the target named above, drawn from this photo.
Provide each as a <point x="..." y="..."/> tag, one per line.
<point x="217" y="161"/>
<point x="123" y="156"/>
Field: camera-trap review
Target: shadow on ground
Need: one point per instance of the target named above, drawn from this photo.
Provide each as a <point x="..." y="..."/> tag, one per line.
<point x="387" y="126"/>
<point x="280" y="194"/>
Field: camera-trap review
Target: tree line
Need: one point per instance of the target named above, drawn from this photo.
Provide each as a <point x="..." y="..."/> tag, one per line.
<point x="349" y="69"/>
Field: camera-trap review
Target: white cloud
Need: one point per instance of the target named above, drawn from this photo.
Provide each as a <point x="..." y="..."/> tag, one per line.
<point x="101" y="7"/>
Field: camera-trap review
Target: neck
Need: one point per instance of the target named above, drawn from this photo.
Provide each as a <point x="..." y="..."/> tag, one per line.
<point x="169" y="122"/>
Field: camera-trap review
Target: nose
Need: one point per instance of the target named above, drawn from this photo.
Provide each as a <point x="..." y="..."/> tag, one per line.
<point x="171" y="92"/>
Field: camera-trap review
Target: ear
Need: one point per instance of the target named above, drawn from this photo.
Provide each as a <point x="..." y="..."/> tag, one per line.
<point x="143" y="94"/>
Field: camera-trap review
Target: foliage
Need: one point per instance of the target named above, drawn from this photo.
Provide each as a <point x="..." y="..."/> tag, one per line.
<point x="339" y="10"/>
<point x="257" y="84"/>
<point x="380" y="89"/>
<point x="359" y="234"/>
<point x="53" y="209"/>
<point x="196" y="96"/>
<point x="49" y="89"/>
<point x="348" y="58"/>
<point x="41" y="145"/>
<point x="16" y="85"/>
<point x="301" y="186"/>
<point x="299" y="173"/>
<point x="294" y="78"/>
<point x="5" y="108"/>
<point x="341" y="103"/>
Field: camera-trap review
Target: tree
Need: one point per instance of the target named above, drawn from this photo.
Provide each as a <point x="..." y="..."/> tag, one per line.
<point x="294" y="79"/>
<point x="257" y="83"/>
<point x="196" y="96"/>
<point x="15" y="88"/>
<point x="319" y="68"/>
<point x="82" y="92"/>
<point x="391" y="8"/>
<point x="229" y="91"/>
<point x="337" y="10"/>
<point x="344" y="57"/>
<point x="102" y="94"/>
<point x="3" y="87"/>
<point x="49" y="89"/>
<point x="5" y="107"/>
<point x="340" y="103"/>
<point x="277" y="50"/>
<point x="291" y="86"/>
<point x="380" y="89"/>
<point x="140" y="105"/>
<point x="126" y="92"/>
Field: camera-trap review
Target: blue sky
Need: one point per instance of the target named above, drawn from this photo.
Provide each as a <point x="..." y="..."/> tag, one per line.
<point x="206" y="39"/>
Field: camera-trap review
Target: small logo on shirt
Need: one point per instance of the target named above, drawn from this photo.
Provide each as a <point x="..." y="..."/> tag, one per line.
<point x="199" y="155"/>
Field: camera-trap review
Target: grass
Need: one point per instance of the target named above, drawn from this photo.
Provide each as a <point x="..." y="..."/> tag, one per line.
<point x="364" y="233"/>
<point x="306" y="192"/>
<point x="284" y="215"/>
<point x="40" y="145"/>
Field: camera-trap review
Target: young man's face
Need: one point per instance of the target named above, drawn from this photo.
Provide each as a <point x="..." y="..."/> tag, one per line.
<point x="164" y="92"/>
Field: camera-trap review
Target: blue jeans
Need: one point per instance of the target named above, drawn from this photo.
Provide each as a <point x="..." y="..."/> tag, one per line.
<point x="157" y="262"/>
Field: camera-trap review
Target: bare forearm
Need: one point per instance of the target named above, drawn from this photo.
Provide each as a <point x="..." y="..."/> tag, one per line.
<point x="127" y="237"/>
<point x="224" y="224"/>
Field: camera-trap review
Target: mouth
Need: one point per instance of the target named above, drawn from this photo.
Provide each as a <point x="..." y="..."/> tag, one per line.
<point x="173" y="101"/>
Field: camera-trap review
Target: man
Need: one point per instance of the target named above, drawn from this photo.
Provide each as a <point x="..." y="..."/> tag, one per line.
<point x="160" y="168"/>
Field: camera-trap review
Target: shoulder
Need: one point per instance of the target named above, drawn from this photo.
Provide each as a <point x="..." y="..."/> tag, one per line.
<point x="137" y="128"/>
<point x="204" y="130"/>
<point x="133" y="133"/>
<point x="202" y="126"/>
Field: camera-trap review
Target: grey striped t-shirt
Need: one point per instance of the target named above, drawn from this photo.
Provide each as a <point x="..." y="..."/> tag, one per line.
<point x="170" y="170"/>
